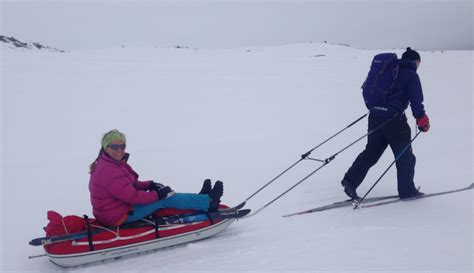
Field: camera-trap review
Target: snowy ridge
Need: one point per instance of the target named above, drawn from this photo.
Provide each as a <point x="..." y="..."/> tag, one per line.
<point x="12" y="42"/>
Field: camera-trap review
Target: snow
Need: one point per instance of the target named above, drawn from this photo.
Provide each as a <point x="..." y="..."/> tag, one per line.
<point x="240" y="115"/>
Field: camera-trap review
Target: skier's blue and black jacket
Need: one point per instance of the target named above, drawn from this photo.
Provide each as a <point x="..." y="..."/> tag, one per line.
<point x="407" y="89"/>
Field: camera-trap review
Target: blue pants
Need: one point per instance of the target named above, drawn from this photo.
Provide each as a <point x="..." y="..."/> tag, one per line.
<point x="177" y="201"/>
<point x="397" y="134"/>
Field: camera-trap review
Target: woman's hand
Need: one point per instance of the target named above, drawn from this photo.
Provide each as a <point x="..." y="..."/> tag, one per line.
<point x="154" y="186"/>
<point x="162" y="190"/>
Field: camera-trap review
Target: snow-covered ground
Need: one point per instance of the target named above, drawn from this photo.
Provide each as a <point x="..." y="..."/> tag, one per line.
<point x="240" y="115"/>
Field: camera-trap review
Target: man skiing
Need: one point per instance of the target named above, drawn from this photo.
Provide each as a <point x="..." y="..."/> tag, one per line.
<point x="393" y="129"/>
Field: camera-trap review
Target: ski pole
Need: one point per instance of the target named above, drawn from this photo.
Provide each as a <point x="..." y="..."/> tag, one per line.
<point x="358" y="202"/>
<point x="303" y="157"/>
<point x="355" y="141"/>
<point x="285" y="192"/>
<point x="333" y="136"/>
<point x="325" y="162"/>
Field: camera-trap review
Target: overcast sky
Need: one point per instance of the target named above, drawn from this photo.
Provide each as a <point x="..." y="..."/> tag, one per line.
<point x="372" y="24"/>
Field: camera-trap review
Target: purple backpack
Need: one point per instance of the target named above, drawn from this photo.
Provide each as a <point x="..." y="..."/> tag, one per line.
<point x="380" y="80"/>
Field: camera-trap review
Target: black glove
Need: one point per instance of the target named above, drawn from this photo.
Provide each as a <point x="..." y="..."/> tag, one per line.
<point x="154" y="186"/>
<point x="164" y="192"/>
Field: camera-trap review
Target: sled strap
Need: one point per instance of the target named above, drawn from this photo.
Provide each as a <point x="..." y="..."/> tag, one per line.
<point x="210" y="219"/>
<point x="89" y="234"/>
<point x="157" y="235"/>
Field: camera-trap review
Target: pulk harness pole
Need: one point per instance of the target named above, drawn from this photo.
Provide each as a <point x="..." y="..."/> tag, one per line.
<point x="325" y="162"/>
<point x="303" y="157"/>
<point x="357" y="203"/>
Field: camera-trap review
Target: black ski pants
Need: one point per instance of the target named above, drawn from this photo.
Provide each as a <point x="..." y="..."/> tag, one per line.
<point x="397" y="134"/>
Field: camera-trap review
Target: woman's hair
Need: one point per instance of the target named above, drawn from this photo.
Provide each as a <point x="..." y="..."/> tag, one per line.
<point x="92" y="165"/>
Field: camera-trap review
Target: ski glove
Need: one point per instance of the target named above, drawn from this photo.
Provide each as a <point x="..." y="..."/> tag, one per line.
<point x="164" y="192"/>
<point x="423" y="123"/>
<point x="154" y="186"/>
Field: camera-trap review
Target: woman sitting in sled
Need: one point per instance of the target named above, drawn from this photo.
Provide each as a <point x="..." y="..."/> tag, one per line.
<point x="118" y="197"/>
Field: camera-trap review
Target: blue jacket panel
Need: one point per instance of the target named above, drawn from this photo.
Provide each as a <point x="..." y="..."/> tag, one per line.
<point x="407" y="89"/>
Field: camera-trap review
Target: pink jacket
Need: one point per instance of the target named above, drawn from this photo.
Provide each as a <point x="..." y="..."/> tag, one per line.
<point x="114" y="188"/>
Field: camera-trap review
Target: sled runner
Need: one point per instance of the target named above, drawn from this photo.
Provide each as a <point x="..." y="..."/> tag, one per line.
<point x="86" y="242"/>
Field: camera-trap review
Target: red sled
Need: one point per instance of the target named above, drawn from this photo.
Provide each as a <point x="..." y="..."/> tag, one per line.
<point x="73" y="241"/>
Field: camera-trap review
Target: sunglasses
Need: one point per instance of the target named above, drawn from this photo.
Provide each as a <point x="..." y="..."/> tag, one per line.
<point x="116" y="147"/>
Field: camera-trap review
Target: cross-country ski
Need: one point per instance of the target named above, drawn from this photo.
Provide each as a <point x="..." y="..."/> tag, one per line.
<point x="369" y="203"/>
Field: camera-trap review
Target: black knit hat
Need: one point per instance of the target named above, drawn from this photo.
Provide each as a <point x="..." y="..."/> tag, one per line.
<point x="411" y="55"/>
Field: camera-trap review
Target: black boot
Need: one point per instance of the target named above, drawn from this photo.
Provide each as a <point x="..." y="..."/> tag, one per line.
<point x="206" y="187"/>
<point x="349" y="189"/>
<point x="414" y="194"/>
<point x="215" y="196"/>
